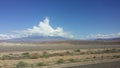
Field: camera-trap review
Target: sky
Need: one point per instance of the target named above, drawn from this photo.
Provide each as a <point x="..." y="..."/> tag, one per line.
<point x="78" y="19"/>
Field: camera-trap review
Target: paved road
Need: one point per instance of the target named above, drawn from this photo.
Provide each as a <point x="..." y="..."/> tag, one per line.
<point x="115" y="64"/>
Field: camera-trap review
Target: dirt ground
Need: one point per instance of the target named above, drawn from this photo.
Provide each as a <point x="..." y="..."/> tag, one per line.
<point x="87" y="54"/>
<point x="17" y="47"/>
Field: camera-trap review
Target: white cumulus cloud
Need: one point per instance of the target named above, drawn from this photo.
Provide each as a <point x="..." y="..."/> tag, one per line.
<point x="45" y="29"/>
<point x="114" y="35"/>
<point x="42" y="29"/>
<point x="5" y="36"/>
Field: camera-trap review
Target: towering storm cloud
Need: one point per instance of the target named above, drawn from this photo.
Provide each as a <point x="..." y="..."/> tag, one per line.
<point x="45" y="29"/>
<point x="42" y="29"/>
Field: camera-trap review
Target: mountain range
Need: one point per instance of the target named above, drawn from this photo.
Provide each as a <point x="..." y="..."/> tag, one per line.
<point x="36" y="39"/>
<point x="57" y="39"/>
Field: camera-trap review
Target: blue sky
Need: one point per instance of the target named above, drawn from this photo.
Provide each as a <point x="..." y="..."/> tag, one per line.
<point x="80" y="18"/>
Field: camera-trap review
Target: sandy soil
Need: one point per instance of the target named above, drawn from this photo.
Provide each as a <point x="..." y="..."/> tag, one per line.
<point x="17" y="47"/>
<point x="8" y="48"/>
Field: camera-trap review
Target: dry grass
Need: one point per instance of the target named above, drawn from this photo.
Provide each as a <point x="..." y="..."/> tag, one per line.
<point x="53" y="59"/>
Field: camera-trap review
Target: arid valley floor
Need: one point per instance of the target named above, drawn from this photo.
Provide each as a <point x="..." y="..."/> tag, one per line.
<point x="55" y="55"/>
